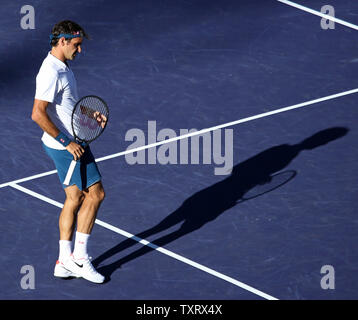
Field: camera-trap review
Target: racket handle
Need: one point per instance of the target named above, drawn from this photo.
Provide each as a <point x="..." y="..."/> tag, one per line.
<point x="70" y="172"/>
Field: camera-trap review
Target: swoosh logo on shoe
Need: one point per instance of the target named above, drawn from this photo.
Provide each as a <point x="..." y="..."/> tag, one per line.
<point x="80" y="265"/>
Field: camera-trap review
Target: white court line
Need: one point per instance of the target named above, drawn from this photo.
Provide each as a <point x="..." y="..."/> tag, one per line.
<point x="320" y="14"/>
<point x="229" y="124"/>
<point x="153" y="246"/>
<point x="36" y="176"/>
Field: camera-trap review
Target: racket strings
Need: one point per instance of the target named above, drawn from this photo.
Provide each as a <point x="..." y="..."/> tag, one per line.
<point x="89" y="118"/>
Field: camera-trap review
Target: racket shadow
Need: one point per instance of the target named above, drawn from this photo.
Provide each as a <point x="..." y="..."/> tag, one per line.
<point x="209" y="203"/>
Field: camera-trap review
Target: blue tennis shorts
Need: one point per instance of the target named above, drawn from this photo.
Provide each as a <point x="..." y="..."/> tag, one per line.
<point x="86" y="172"/>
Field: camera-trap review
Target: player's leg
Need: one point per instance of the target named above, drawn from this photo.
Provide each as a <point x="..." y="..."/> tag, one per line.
<point x="80" y="262"/>
<point x="93" y="197"/>
<point x="67" y="222"/>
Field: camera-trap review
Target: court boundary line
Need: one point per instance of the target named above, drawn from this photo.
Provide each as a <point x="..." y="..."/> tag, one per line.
<point x="320" y="14"/>
<point x="153" y="246"/>
<point x="200" y="132"/>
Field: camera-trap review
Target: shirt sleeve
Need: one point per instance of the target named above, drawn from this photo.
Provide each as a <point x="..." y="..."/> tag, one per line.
<point x="47" y="84"/>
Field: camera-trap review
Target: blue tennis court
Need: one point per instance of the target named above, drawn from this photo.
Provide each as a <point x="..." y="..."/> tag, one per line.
<point x="255" y="195"/>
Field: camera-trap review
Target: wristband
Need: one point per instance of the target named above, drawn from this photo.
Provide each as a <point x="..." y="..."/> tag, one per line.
<point x="63" y="139"/>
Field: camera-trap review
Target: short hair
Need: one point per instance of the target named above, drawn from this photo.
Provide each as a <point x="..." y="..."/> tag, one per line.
<point x="66" y="27"/>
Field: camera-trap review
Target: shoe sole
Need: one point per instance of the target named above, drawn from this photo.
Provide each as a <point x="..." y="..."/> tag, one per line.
<point x="69" y="275"/>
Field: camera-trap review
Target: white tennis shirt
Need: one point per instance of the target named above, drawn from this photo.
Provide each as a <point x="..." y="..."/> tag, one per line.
<point x="56" y="84"/>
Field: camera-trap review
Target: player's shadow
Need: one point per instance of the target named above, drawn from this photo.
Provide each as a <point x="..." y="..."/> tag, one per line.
<point x="209" y="203"/>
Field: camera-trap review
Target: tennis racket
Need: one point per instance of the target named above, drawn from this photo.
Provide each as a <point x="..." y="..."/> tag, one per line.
<point x="88" y="121"/>
<point x="276" y="180"/>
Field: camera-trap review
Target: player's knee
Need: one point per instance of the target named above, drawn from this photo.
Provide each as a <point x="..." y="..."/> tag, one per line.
<point x="75" y="198"/>
<point x="101" y="195"/>
<point x="74" y="194"/>
<point x="97" y="195"/>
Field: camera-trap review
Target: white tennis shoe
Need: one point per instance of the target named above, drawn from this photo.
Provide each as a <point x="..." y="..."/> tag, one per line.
<point x="84" y="268"/>
<point x="61" y="272"/>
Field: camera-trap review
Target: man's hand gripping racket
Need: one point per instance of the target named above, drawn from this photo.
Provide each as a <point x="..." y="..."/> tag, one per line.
<point x="89" y="119"/>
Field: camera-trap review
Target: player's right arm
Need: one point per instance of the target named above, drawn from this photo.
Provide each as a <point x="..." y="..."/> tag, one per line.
<point x="40" y="116"/>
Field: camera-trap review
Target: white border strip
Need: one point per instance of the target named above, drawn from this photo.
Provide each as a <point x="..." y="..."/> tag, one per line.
<point x="153" y="246"/>
<point x="229" y="124"/>
<point x="320" y="14"/>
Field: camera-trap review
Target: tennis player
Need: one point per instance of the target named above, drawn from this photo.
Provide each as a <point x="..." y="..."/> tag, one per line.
<point x="55" y="98"/>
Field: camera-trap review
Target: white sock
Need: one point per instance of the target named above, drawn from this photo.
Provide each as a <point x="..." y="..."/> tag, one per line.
<point x="80" y="250"/>
<point x="65" y="249"/>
